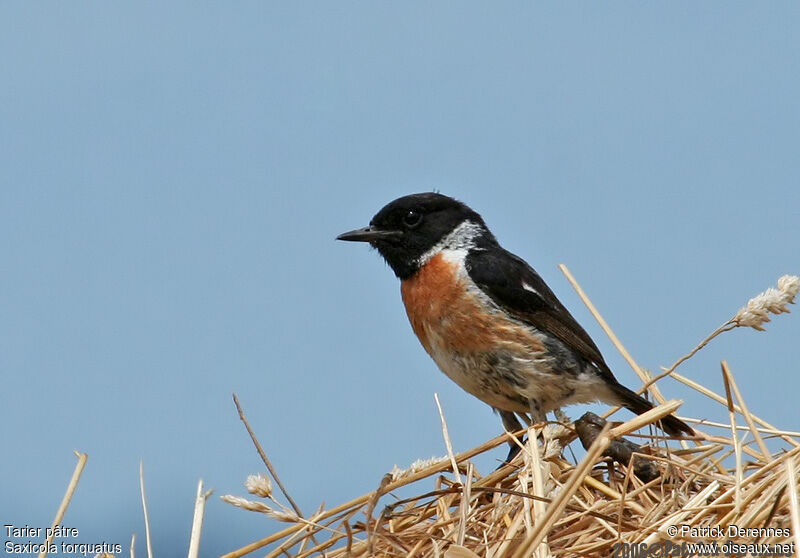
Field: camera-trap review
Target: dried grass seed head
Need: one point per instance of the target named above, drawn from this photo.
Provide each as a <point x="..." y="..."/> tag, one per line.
<point x="757" y="310"/>
<point x="260" y="485"/>
<point x="419" y="465"/>
<point x="790" y="286"/>
<point x="246" y="504"/>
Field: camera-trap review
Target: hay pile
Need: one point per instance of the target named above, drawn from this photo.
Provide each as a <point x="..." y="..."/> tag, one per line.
<point x="725" y="486"/>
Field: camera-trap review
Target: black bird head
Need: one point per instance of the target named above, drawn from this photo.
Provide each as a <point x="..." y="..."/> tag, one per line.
<point x="408" y="228"/>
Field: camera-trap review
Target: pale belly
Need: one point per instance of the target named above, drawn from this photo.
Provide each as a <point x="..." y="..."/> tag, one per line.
<point x="512" y="381"/>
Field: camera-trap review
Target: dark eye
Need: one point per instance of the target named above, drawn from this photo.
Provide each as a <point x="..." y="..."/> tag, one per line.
<point x="412" y="219"/>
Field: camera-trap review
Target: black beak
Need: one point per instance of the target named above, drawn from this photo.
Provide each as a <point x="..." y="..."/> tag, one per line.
<point x="368" y="234"/>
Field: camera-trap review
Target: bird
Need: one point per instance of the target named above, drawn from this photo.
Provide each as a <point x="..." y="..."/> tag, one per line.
<point x="486" y="317"/>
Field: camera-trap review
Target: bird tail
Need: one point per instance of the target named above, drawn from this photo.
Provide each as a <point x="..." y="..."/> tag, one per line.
<point x="638" y="404"/>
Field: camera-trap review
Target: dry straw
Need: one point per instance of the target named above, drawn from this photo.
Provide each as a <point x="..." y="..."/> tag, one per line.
<point x="743" y="473"/>
<point x="62" y="508"/>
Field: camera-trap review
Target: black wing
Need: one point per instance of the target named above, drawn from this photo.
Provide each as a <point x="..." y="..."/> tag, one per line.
<point x="504" y="277"/>
<point x="516" y="288"/>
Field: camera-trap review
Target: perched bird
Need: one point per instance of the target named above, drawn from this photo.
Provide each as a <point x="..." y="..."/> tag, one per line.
<point x="485" y="316"/>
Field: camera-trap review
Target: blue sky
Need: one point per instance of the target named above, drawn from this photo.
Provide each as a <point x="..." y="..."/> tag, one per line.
<point x="172" y="177"/>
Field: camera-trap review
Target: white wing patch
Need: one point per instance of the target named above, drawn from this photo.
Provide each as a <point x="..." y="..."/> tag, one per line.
<point x="530" y="289"/>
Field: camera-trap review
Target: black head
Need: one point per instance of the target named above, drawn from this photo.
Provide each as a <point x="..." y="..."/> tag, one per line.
<point x="409" y="227"/>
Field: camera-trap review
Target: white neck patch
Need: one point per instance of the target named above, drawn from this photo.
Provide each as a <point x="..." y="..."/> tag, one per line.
<point x="462" y="238"/>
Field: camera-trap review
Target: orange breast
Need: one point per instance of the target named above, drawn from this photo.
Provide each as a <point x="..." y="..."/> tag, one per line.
<point x="444" y="312"/>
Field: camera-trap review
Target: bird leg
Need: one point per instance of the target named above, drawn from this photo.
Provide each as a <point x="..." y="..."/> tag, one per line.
<point x="537" y="415"/>
<point x="512" y="425"/>
<point x="562" y="417"/>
